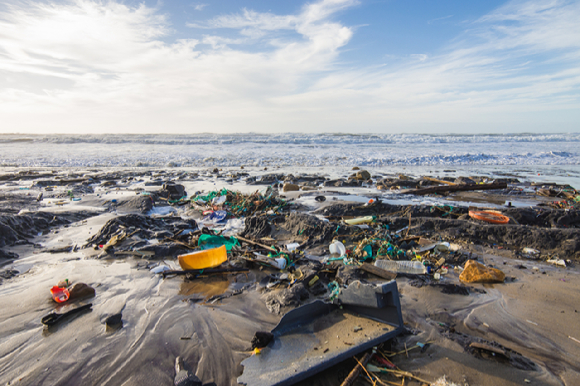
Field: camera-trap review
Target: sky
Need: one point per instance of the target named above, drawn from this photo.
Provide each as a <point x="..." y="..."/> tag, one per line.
<point x="350" y="66"/>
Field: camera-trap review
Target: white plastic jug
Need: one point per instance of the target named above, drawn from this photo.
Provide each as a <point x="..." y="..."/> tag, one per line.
<point x="337" y="248"/>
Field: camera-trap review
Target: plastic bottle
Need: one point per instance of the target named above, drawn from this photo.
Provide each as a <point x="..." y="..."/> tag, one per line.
<point x="279" y="262"/>
<point x="360" y="220"/>
<point x="402" y="266"/>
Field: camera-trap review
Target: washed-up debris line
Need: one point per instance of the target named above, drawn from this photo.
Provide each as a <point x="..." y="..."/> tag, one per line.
<point x="299" y="259"/>
<point x="237" y="204"/>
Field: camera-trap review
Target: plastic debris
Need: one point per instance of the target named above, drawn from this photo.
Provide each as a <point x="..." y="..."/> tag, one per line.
<point x="475" y="272"/>
<point x="402" y="266"/>
<point x="558" y="262"/>
<point x="59" y="295"/>
<point x="337" y="248"/>
<point x="213" y="241"/>
<point x="208" y="258"/>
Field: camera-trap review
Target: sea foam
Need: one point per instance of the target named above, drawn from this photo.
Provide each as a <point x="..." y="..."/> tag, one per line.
<point x="287" y="149"/>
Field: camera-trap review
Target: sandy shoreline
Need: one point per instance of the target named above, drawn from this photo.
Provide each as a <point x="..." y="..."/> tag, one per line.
<point x="533" y="315"/>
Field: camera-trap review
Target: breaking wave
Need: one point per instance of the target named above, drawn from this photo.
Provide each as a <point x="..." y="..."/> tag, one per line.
<point x="288" y="149"/>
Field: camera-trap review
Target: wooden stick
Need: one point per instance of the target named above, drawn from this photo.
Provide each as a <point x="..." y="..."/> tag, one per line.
<point x="407" y="374"/>
<point x="356" y="371"/>
<point x="373" y="376"/>
<point x="255" y="243"/>
<point x="457" y="188"/>
<point x="204" y="271"/>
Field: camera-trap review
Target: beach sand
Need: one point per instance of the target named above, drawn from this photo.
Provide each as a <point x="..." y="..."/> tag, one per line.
<point x="531" y="318"/>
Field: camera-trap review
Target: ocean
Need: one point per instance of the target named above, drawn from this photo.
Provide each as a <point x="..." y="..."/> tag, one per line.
<point x="290" y="149"/>
<point x="552" y="155"/>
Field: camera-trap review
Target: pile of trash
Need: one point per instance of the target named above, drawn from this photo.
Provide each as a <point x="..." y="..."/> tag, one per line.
<point x="236" y="204"/>
<point x="306" y="265"/>
<point x="570" y="196"/>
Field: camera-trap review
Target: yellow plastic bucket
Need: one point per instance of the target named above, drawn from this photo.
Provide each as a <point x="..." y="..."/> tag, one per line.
<point x="208" y="258"/>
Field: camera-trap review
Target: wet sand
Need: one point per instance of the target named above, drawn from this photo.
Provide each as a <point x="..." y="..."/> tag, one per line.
<point x="533" y="316"/>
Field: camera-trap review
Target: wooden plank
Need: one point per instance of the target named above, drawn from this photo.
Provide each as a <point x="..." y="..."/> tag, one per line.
<point x="438" y="181"/>
<point x="204" y="271"/>
<point x="378" y="271"/>
<point x="457" y="188"/>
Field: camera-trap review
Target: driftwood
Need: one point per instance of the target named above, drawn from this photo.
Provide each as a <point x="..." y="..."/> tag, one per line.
<point x="438" y="181"/>
<point x="357" y="369"/>
<point x="378" y="271"/>
<point x="204" y="271"/>
<point x="458" y="188"/>
<point x="255" y="243"/>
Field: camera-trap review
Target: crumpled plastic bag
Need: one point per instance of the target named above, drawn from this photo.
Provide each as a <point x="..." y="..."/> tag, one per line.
<point x="475" y="272"/>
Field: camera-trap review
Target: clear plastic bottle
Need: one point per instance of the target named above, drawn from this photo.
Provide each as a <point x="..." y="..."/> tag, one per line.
<point x="402" y="266"/>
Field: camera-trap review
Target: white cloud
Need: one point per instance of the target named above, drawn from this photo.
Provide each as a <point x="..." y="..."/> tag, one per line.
<point x="199" y="7"/>
<point x="86" y="66"/>
<point x="420" y="57"/>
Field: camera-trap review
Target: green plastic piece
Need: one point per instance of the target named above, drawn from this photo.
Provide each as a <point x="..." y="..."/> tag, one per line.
<point x="214" y="241"/>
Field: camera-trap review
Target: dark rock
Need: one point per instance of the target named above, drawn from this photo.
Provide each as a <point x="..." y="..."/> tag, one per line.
<point x="162" y="234"/>
<point x="267" y="179"/>
<point x="184" y="377"/>
<point x="317" y="288"/>
<point x="261" y="339"/>
<point x="65" y="249"/>
<point x="363" y="175"/>
<point x="7" y="255"/>
<point x="139" y="204"/>
<point x="318" y="231"/>
<point x="143" y="226"/>
<point x="80" y="291"/>
<point x="287" y="297"/>
<point x="172" y="191"/>
<point x="288" y="187"/>
<point x="154" y="183"/>
<point x="8" y="274"/>
<point x="506" y="181"/>
<point x="347" y="274"/>
<point x="19" y="228"/>
<point x="114" y="320"/>
<point x="165" y="250"/>
<point x="390" y="183"/>
<point x="256" y="227"/>
<point x="352" y="182"/>
<point x="464" y="181"/>
<point x="331" y="182"/>
<point x="452" y="289"/>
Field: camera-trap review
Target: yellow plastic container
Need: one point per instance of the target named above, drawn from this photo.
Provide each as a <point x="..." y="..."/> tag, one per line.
<point x="359" y="220"/>
<point x="208" y="258"/>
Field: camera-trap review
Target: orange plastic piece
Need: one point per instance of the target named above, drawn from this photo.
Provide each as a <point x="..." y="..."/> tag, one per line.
<point x="60" y="295"/>
<point x="208" y="258"/>
<point x="491" y="217"/>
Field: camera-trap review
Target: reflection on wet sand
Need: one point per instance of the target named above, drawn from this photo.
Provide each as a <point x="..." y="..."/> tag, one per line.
<point x="207" y="287"/>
